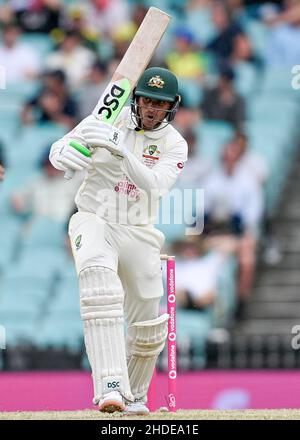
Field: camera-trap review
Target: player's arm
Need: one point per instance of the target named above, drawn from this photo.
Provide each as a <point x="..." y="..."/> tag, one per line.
<point x="160" y="178"/>
<point x="163" y="175"/>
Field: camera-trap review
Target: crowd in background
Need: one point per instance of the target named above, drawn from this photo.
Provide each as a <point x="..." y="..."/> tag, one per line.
<point x="88" y="39"/>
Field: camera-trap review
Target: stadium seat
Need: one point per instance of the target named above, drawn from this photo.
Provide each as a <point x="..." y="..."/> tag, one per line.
<point x="226" y="296"/>
<point x="212" y="135"/>
<point x="46" y="258"/>
<point x="29" y="147"/>
<point x="65" y="301"/>
<point x="18" y="329"/>
<point x="60" y="332"/>
<point x="278" y="83"/>
<point x="258" y="35"/>
<point x="42" y="43"/>
<point x="195" y="326"/>
<point x="19" y="92"/>
<point x="170" y="220"/>
<point x="44" y="233"/>
<point x="247" y="77"/>
<point x="27" y="278"/>
<point x="191" y="92"/>
<point x="9" y="129"/>
<point x="9" y="237"/>
<point x="200" y="23"/>
<point x="15" y="303"/>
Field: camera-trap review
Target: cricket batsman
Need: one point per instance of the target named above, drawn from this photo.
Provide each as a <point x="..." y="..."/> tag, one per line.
<point x="114" y="242"/>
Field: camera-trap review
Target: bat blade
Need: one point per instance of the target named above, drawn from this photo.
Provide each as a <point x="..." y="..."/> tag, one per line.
<point x="131" y="67"/>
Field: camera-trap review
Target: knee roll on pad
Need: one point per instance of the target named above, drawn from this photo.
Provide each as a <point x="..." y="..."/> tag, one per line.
<point x="101" y="307"/>
<point x="145" y="341"/>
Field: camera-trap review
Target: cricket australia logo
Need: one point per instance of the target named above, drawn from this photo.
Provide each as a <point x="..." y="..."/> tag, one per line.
<point x="152" y="149"/>
<point x="151" y="154"/>
<point x="156" y="81"/>
<point x="78" y="243"/>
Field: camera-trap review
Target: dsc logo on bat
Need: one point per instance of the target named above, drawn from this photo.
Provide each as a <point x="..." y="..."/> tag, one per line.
<point x="111" y="101"/>
<point x="113" y="385"/>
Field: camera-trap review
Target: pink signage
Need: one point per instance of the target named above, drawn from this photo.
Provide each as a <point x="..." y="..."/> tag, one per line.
<point x="39" y="391"/>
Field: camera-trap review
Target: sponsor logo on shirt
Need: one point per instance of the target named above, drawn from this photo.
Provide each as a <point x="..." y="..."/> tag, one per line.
<point x="78" y="243"/>
<point x="127" y="188"/>
<point x="180" y="165"/>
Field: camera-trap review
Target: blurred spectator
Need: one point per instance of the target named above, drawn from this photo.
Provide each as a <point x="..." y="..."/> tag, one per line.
<point x="53" y="103"/>
<point x="121" y="38"/>
<point x="138" y="14"/>
<point x="223" y="44"/>
<point x="40" y="16"/>
<point x="242" y="50"/>
<point x="283" y="48"/>
<point x="233" y="199"/>
<point x="236" y="8"/>
<point x="47" y="196"/>
<point x="234" y="205"/>
<point x="198" y="270"/>
<point x="2" y="159"/>
<point x="288" y="13"/>
<point x="185" y="60"/>
<point x="250" y="161"/>
<point x="2" y="172"/>
<point x="2" y="164"/>
<point x="254" y="164"/>
<point x="72" y="58"/>
<point x="186" y="117"/>
<point x="105" y="16"/>
<point x="88" y="94"/>
<point x="197" y="168"/>
<point x="74" y="20"/>
<point x="19" y="60"/>
<point x="222" y="102"/>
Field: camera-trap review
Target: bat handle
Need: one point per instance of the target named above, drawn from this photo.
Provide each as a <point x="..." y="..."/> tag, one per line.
<point x="69" y="174"/>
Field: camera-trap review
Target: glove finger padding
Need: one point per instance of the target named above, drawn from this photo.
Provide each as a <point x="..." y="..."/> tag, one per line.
<point x="73" y="159"/>
<point x="78" y="159"/>
<point x="93" y="139"/>
<point x="70" y="165"/>
<point x="100" y="130"/>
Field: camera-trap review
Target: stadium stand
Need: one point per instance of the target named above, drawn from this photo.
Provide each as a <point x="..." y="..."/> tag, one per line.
<point x="39" y="303"/>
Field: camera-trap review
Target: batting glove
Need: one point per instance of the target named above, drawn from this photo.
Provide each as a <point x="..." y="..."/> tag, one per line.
<point x="74" y="156"/>
<point x="100" y="134"/>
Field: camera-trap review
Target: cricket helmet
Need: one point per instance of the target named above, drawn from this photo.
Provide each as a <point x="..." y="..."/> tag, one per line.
<point x="160" y="84"/>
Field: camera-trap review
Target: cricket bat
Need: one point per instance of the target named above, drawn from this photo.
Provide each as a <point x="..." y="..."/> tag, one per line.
<point x="130" y="69"/>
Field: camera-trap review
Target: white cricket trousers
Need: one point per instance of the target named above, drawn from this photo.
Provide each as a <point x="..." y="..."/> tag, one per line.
<point x="133" y="252"/>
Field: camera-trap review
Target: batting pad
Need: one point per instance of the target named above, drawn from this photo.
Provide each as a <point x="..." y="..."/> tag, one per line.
<point x="101" y="306"/>
<point x="145" y="340"/>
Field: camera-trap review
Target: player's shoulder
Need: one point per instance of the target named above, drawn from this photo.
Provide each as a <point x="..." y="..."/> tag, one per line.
<point x="175" y="134"/>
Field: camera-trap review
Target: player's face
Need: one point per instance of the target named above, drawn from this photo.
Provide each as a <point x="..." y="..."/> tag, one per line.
<point x="152" y="112"/>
